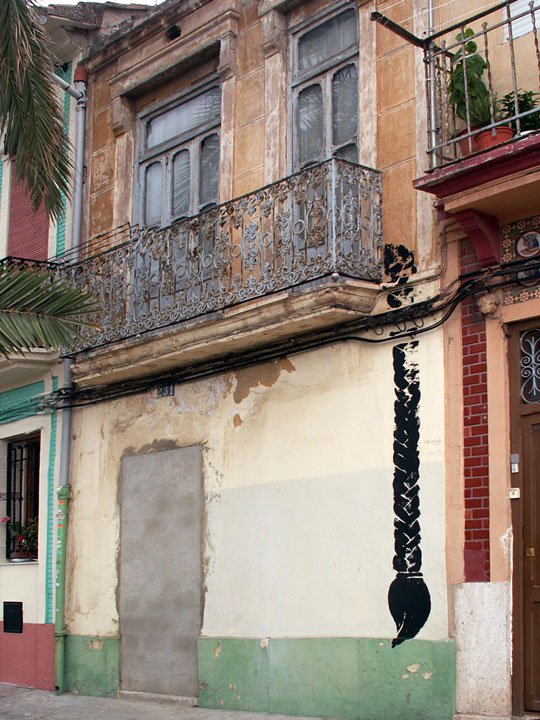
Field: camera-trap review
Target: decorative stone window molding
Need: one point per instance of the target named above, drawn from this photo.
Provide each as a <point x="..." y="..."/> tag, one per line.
<point x="274" y="32"/>
<point x="215" y="37"/>
<point x="280" y="19"/>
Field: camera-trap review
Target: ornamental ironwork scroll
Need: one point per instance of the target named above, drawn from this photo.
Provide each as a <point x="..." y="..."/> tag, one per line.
<point x="529" y="365"/>
<point x="325" y="219"/>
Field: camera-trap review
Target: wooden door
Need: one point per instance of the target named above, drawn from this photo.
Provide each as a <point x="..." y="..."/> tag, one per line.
<point x="531" y="561"/>
<point x="525" y="478"/>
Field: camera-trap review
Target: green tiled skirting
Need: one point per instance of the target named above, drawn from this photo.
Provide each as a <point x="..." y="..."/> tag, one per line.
<point x="91" y="665"/>
<point x="333" y="677"/>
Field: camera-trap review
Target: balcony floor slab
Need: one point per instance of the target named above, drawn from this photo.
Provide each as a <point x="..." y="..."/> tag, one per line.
<point x="258" y="322"/>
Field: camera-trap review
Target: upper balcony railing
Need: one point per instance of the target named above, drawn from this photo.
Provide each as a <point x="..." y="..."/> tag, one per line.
<point x="323" y="220"/>
<point x="483" y="74"/>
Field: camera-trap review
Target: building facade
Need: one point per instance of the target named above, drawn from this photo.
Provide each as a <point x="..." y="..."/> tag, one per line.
<point x="29" y="429"/>
<point x="304" y="421"/>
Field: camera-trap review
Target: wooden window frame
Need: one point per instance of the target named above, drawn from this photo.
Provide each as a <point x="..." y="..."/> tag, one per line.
<point x="164" y="153"/>
<point x="322" y="74"/>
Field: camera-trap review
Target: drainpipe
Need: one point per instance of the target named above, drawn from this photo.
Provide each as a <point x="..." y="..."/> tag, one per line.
<point x="79" y="93"/>
<point x="432" y="89"/>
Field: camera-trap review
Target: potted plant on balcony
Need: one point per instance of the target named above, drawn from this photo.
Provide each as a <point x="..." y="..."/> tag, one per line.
<point x="527" y="100"/>
<point x="25" y="538"/>
<point x="474" y="104"/>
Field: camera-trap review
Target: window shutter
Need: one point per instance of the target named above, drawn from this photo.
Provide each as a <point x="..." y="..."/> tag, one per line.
<point x="521" y="25"/>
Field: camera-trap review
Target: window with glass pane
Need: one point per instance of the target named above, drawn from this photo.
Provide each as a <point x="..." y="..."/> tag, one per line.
<point x="327" y="40"/>
<point x="180" y="183"/>
<point x="188" y="116"/>
<point x="22" y="498"/>
<point x="209" y="170"/>
<point x="152" y="193"/>
<point x="310" y="123"/>
<point x="325" y="81"/>
<point x="179" y="165"/>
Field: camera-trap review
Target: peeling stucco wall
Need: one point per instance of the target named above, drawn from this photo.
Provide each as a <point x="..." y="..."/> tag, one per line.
<point x="297" y="465"/>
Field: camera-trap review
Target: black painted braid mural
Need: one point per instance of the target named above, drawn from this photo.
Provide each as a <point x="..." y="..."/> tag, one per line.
<point x="408" y="596"/>
<point x="398" y="265"/>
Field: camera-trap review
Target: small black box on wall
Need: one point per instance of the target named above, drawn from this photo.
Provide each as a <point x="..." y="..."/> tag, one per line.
<point x="13" y="617"/>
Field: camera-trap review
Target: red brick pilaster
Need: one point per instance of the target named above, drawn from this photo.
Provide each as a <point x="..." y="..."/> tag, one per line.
<point x="28" y="230"/>
<point x="475" y="432"/>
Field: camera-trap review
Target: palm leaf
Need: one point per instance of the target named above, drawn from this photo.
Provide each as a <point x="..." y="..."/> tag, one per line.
<point x="37" y="310"/>
<point x="30" y="114"/>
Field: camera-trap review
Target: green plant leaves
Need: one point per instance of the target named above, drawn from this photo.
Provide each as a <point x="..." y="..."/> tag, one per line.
<point x="466" y="87"/>
<point x="30" y="114"/>
<point x="37" y="310"/>
<point x="527" y="101"/>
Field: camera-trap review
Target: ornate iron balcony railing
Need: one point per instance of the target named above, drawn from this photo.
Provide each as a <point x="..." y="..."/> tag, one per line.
<point x="482" y="74"/>
<point x="325" y="219"/>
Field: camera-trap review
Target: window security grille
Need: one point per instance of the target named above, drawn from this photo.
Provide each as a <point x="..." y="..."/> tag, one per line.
<point x="22" y="498"/>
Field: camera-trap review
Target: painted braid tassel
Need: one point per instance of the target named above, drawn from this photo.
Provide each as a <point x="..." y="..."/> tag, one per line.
<point x="408" y="596"/>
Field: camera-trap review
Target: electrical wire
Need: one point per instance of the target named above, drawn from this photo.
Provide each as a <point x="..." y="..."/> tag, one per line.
<point x="408" y="322"/>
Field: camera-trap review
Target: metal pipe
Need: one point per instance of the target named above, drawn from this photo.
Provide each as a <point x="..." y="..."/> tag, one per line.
<point x="79" y="93"/>
<point x="432" y="87"/>
<point x="81" y="78"/>
<point x="397" y="29"/>
<point x="67" y="87"/>
<point x="59" y="625"/>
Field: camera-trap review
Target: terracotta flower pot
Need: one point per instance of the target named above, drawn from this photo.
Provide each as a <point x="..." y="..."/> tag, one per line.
<point x="464" y="147"/>
<point x="488" y="138"/>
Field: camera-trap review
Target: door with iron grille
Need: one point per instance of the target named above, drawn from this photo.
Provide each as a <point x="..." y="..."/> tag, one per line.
<point x="525" y="465"/>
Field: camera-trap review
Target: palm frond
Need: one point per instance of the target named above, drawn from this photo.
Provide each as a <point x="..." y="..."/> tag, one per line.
<point x="30" y="114"/>
<point x="37" y="310"/>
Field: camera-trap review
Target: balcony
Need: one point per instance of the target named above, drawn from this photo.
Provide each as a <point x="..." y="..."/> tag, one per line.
<point x="479" y="72"/>
<point x="302" y="252"/>
<point x="482" y="80"/>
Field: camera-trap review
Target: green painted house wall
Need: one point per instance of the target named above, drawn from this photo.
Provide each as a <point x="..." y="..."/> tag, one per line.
<point x="20" y="402"/>
<point x="61" y="222"/>
<point x="91" y="665"/>
<point x="330" y="677"/>
<point x="320" y="677"/>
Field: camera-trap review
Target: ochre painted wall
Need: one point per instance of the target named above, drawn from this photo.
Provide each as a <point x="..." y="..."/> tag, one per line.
<point x="256" y="130"/>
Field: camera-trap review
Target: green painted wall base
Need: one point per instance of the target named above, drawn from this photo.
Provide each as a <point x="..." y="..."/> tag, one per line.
<point x="91" y="665"/>
<point x="361" y="678"/>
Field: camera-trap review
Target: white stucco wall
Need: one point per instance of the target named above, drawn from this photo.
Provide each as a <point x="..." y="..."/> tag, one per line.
<point x="483" y="629"/>
<point x="25" y="582"/>
<point x="298" y="479"/>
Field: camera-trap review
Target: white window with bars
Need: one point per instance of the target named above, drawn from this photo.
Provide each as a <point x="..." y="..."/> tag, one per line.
<point x="521" y="14"/>
<point x="22" y="497"/>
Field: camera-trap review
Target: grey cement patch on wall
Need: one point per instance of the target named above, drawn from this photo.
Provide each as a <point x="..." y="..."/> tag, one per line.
<point x="161" y="501"/>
